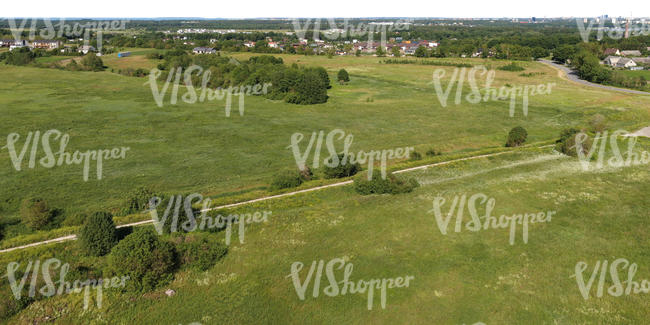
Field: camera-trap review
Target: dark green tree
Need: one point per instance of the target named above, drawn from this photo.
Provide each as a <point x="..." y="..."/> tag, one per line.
<point x="98" y="234"/>
<point x="343" y="76"/>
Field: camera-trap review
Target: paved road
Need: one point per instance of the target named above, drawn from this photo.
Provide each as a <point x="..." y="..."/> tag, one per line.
<point x="571" y="75"/>
<point x="74" y="237"/>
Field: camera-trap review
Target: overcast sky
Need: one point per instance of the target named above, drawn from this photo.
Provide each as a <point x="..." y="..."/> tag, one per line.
<point x="330" y="8"/>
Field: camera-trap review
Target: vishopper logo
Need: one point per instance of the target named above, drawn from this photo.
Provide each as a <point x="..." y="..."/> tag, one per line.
<point x="344" y="286"/>
<point x="204" y="221"/>
<point x="475" y="96"/>
<point x="361" y="29"/>
<point x="333" y="160"/>
<point x="49" y="160"/>
<point x="618" y="287"/>
<point x="191" y="96"/>
<point x="50" y="287"/>
<point x="618" y="31"/>
<point x="598" y="151"/>
<point x="477" y="222"/>
<point x="63" y="29"/>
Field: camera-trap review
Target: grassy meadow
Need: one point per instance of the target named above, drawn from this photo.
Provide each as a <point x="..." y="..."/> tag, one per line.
<point x="459" y="278"/>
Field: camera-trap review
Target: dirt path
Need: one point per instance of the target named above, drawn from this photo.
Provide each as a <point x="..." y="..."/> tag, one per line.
<point x="74" y="237"/>
<point x="571" y="75"/>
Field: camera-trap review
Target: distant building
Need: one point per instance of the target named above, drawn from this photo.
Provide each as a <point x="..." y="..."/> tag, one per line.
<point x="46" y="44"/>
<point x="86" y="48"/>
<point x="204" y="50"/>
<point x="631" y="53"/>
<point x="612" y="52"/>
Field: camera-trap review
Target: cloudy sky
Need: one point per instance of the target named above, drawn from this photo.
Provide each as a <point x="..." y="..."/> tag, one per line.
<point x="330" y="8"/>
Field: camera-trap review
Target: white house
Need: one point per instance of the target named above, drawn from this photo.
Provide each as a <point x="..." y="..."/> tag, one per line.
<point x="86" y="48"/>
<point x="204" y="50"/>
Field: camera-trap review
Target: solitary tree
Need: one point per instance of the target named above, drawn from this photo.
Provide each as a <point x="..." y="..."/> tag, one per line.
<point x="92" y="62"/>
<point x="343" y="76"/>
<point x="516" y="137"/>
<point x="395" y="51"/>
<point x="421" y="52"/>
<point x="98" y="234"/>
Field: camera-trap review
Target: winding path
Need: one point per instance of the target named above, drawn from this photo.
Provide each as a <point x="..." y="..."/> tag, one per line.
<point x="571" y="75"/>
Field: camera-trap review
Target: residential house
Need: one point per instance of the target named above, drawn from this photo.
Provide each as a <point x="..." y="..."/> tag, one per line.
<point x="612" y="51"/>
<point x="631" y="53"/>
<point x="46" y="44"/>
<point x="204" y="50"/>
<point x="86" y="48"/>
<point x="625" y="63"/>
<point x="642" y="60"/>
<point x="612" y="60"/>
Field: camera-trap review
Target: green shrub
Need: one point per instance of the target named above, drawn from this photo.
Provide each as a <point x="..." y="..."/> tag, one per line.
<point x="199" y="251"/>
<point x="35" y="213"/>
<point x="377" y="185"/>
<point x="148" y="261"/>
<point x="567" y="143"/>
<point x="92" y="62"/>
<point x="98" y="234"/>
<point x="516" y="137"/>
<point x="343" y="76"/>
<point x="415" y="155"/>
<point x="511" y="67"/>
<point x="341" y="170"/>
<point x="286" y="179"/>
<point x="138" y="201"/>
<point x="432" y="152"/>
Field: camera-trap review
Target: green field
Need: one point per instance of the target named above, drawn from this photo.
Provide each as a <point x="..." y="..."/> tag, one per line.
<point x="464" y="277"/>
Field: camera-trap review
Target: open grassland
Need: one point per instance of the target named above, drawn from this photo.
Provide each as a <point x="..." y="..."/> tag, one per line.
<point x="463" y="277"/>
<point x="185" y="148"/>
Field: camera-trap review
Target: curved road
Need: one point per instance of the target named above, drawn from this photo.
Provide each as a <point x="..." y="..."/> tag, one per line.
<point x="571" y="75"/>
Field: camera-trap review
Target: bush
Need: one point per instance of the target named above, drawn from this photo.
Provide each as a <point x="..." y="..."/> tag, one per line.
<point x="138" y="201"/>
<point x="567" y="143"/>
<point x="98" y="234"/>
<point x="35" y="213"/>
<point x="286" y="179"/>
<point x="415" y="156"/>
<point x="343" y="76"/>
<point x="432" y="152"/>
<point x="199" y="251"/>
<point x="341" y="170"/>
<point x="20" y="56"/>
<point x="148" y="261"/>
<point x="378" y="185"/>
<point x="516" y="137"/>
<point x="511" y="67"/>
<point x="92" y="62"/>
